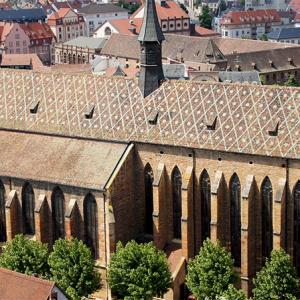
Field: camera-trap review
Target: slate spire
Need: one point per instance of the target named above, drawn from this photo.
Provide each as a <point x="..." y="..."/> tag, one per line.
<point x="150" y="38"/>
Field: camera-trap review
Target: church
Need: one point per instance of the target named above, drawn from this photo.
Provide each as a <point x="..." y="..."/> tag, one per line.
<point x="115" y="159"/>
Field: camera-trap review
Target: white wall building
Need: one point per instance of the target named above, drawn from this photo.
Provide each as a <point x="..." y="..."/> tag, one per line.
<point x="96" y="14"/>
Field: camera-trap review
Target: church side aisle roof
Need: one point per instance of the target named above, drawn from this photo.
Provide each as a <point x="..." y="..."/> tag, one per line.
<point x="249" y="119"/>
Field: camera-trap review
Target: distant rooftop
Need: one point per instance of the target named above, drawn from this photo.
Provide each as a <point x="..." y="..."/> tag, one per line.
<point x="22" y="15"/>
<point x="87" y="42"/>
<point x="95" y="8"/>
<point x="284" y="33"/>
<point x="240" y="77"/>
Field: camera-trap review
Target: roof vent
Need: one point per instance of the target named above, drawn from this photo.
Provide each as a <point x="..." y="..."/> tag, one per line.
<point x="271" y="63"/>
<point x="153" y="118"/>
<point x="253" y="65"/>
<point x="90" y="114"/>
<point x="211" y="123"/>
<point x="34" y="107"/>
<point x="290" y="60"/>
<point x="273" y="129"/>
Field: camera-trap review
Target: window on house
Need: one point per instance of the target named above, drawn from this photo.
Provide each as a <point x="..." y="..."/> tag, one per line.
<point x="58" y="213"/>
<point x="24" y="43"/>
<point x="266" y="217"/>
<point x="205" y="205"/>
<point x="107" y="31"/>
<point x="2" y="213"/>
<point x="11" y="44"/>
<point x="235" y="219"/>
<point x="28" y="208"/>
<point x="91" y="223"/>
<point x="148" y="180"/>
<point x="17" y="43"/>
<point x="177" y="202"/>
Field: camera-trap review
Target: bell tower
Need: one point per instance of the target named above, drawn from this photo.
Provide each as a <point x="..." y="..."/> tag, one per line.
<point x="150" y="38"/>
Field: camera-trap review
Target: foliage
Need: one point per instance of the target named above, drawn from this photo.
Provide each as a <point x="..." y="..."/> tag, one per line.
<point x="130" y="7"/>
<point x="292" y="81"/>
<point x="25" y="256"/>
<point x="139" y="271"/>
<point x="211" y="272"/>
<point x="234" y="294"/>
<point x="205" y="18"/>
<point x="277" y="280"/>
<point x="73" y="268"/>
<point x="223" y="5"/>
<point x="263" y="37"/>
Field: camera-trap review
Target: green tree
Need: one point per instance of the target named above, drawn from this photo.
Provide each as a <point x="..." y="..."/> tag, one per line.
<point x="222" y="6"/>
<point x="73" y="268"/>
<point x="234" y="294"/>
<point x="263" y="37"/>
<point x="130" y="7"/>
<point x="292" y="81"/>
<point x="277" y="280"/>
<point x="205" y="18"/>
<point x="25" y="256"/>
<point x="139" y="271"/>
<point x="211" y="272"/>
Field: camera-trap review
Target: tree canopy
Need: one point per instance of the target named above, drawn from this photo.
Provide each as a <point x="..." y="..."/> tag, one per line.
<point x="234" y="294"/>
<point x="25" y="256"/>
<point x="277" y="280"/>
<point x="139" y="271"/>
<point x="292" y="81"/>
<point x="205" y="18"/>
<point x="73" y="268"/>
<point x="211" y="272"/>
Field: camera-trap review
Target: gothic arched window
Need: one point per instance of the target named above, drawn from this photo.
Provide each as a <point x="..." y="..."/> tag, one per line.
<point x="177" y="201"/>
<point x="297" y="225"/>
<point x="267" y="222"/>
<point x="2" y="213"/>
<point x="235" y="218"/>
<point x="91" y="223"/>
<point x="58" y="213"/>
<point x="205" y="204"/>
<point x="28" y="209"/>
<point x="148" y="177"/>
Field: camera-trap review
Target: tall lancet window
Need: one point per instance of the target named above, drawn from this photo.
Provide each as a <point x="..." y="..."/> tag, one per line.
<point x="235" y="218"/>
<point x="205" y="205"/>
<point x="148" y="177"/>
<point x="91" y="223"/>
<point x="58" y="213"/>
<point x="297" y="226"/>
<point x="28" y="209"/>
<point x="267" y="219"/>
<point x="177" y="202"/>
<point x="2" y="213"/>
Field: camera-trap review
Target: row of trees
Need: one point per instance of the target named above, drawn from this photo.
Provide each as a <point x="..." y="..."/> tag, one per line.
<point x="70" y="264"/>
<point x="140" y="271"/>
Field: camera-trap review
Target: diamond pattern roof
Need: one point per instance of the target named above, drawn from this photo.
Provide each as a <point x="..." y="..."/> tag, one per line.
<point x="217" y="116"/>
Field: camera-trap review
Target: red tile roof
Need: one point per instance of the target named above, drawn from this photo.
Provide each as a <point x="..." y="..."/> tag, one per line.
<point x="61" y="13"/>
<point x="126" y="26"/>
<point x="20" y="286"/>
<point x="22" y="60"/>
<point x="247" y="17"/>
<point x="38" y="31"/>
<point x="204" y="32"/>
<point x="295" y="5"/>
<point x="170" y="10"/>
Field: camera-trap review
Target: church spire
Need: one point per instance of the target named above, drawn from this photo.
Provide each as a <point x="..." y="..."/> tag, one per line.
<point x="150" y="38"/>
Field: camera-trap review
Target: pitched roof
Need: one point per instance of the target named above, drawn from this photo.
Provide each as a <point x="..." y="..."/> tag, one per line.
<point x="250" y="16"/>
<point x="175" y="46"/>
<point x="284" y="33"/>
<point x="126" y="26"/>
<point x="240" y="77"/>
<point x="245" y="114"/>
<point x="170" y="9"/>
<point x="38" y="31"/>
<point x="104" y="8"/>
<point x="204" y="32"/>
<point x="22" y="60"/>
<point x="150" y="30"/>
<point x="22" y="15"/>
<point x="61" y="13"/>
<point x="266" y="61"/>
<point x="87" y="42"/>
<point x="20" y="286"/>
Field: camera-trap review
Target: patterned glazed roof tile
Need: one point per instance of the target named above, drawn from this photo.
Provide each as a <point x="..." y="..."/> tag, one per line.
<point x="216" y="116"/>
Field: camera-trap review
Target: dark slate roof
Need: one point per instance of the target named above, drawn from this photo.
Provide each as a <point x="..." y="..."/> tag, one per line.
<point x="150" y="30"/>
<point x="174" y="71"/>
<point x="95" y="8"/>
<point x="22" y="15"/>
<point x="284" y="34"/>
<point x="239" y="77"/>
<point x="245" y="116"/>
